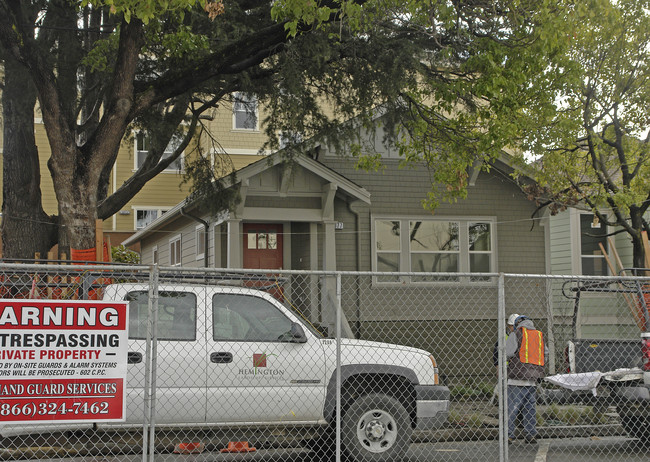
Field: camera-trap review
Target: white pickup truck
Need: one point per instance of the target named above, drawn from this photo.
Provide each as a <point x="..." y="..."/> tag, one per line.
<point x="236" y="358"/>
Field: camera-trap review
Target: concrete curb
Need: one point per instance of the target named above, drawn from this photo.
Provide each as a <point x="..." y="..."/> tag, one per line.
<point x="492" y="433"/>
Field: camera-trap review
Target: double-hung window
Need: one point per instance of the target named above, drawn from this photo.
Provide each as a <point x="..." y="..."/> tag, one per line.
<point x="143" y="146"/>
<point x="175" y="251"/>
<point x="245" y="112"/>
<point x="199" y="237"/>
<point x="433" y="246"/>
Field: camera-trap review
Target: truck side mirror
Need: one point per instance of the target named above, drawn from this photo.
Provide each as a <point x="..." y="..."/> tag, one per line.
<point x="297" y="333"/>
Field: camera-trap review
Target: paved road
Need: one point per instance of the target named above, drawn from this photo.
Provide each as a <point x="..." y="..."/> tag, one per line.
<point x="601" y="449"/>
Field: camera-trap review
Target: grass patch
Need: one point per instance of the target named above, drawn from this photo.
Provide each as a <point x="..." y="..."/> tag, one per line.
<point x="574" y="415"/>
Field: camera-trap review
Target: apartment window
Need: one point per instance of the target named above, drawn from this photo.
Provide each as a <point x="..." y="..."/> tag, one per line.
<point x="143" y="146"/>
<point x="200" y="242"/>
<point x="175" y="251"/>
<point x="245" y="111"/>
<point x="592" y="233"/>
<point x="143" y="217"/>
<point x="433" y="246"/>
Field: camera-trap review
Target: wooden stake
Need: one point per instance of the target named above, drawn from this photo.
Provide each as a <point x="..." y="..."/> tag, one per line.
<point x="108" y="243"/>
<point x="50" y="279"/>
<point x="616" y="257"/>
<point x="634" y="309"/>
<point x="99" y="240"/>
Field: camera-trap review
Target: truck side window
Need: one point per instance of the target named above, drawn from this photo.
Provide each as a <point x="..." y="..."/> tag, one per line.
<point x="176" y="315"/>
<point x="247" y="318"/>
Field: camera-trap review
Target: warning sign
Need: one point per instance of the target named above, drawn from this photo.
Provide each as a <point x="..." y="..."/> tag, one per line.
<point x="62" y="360"/>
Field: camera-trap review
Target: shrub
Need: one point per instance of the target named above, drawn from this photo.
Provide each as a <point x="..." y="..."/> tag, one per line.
<point x="122" y="254"/>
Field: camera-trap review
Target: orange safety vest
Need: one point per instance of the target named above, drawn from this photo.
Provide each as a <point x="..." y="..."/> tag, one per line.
<point x="531" y="350"/>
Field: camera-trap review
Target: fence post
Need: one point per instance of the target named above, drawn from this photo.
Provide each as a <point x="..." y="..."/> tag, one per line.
<point x="338" y="366"/>
<point x="503" y="380"/>
<point x="149" y="427"/>
<point x="550" y="330"/>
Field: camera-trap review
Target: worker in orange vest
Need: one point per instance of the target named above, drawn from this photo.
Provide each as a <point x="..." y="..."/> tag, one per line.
<point x="527" y="355"/>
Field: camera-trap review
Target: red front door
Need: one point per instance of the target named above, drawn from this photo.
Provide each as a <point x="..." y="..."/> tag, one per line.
<point x="262" y="246"/>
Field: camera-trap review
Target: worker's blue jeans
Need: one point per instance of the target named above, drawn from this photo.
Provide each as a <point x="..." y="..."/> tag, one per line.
<point x="522" y="399"/>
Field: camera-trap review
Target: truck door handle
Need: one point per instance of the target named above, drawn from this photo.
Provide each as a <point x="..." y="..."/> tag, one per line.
<point x="221" y="357"/>
<point x="133" y="357"/>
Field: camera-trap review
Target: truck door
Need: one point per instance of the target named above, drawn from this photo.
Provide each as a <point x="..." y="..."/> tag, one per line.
<point x="180" y="356"/>
<point x="256" y="373"/>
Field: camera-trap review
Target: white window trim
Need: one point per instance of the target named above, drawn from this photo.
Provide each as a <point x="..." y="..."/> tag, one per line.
<point x="167" y="170"/>
<point x="136" y="208"/>
<point x="464" y="252"/>
<point x="199" y="238"/>
<point x="154" y="255"/>
<point x="257" y="116"/>
<point x="173" y="240"/>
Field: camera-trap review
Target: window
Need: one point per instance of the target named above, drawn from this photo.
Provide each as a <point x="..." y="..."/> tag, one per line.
<point x="142" y="147"/>
<point x="387" y="239"/>
<point x="144" y="217"/>
<point x="200" y="242"/>
<point x="262" y="240"/>
<point x="289" y="138"/>
<point x="175" y="253"/>
<point x="480" y="248"/>
<point x="176" y="315"/>
<point x="592" y="233"/>
<point x="245" y="112"/>
<point x="244" y="317"/>
<point x="433" y="246"/>
<point x="154" y="255"/>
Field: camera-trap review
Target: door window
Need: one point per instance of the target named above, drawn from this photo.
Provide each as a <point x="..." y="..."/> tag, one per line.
<point x="249" y="318"/>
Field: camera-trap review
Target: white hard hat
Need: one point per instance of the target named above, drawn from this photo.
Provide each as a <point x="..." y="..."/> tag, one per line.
<point x="511" y="319"/>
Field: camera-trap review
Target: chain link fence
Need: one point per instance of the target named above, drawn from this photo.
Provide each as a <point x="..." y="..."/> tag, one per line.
<point x="311" y="366"/>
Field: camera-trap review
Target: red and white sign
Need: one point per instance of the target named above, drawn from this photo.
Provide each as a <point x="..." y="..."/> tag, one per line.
<point x="62" y="360"/>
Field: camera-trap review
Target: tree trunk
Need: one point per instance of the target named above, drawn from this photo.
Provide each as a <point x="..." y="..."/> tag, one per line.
<point x="638" y="252"/>
<point x="26" y="228"/>
<point x="76" y="186"/>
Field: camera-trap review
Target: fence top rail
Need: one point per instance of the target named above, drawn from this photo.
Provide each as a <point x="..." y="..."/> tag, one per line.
<point x="104" y="269"/>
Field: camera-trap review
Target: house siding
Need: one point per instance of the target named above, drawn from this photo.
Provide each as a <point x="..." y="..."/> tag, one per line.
<point x="399" y="192"/>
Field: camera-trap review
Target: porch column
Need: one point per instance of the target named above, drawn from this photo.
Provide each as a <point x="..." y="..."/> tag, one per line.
<point x="314" y="314"/>
<point x="329" y="300"/>
<point x="234" y="244"/>
<point x="329" y="246"/>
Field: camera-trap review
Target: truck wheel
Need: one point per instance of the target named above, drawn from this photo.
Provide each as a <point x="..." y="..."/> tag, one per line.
<point x="376" y="428"/>
<point x="637" y="427"/>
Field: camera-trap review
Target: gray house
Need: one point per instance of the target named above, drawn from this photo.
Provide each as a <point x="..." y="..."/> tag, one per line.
<point x="321" y="213"/>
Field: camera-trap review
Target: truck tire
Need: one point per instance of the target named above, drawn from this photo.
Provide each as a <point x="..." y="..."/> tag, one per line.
<point x="376" y="428"/>
<point x="637" y="427"/>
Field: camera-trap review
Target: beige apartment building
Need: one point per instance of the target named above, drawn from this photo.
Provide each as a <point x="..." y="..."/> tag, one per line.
<point x="236" y="128"/>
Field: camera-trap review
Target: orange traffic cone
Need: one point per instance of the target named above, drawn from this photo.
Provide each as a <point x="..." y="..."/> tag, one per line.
<point x="238" y="446"/>
<point x="189" y="448"/>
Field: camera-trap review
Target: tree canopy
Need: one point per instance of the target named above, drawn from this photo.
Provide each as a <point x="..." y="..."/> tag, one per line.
<point x="451" y="78"/>
<point x="592" y="145"/>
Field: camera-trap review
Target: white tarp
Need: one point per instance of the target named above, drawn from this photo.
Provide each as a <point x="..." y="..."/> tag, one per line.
<point x="590" y="380"/>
